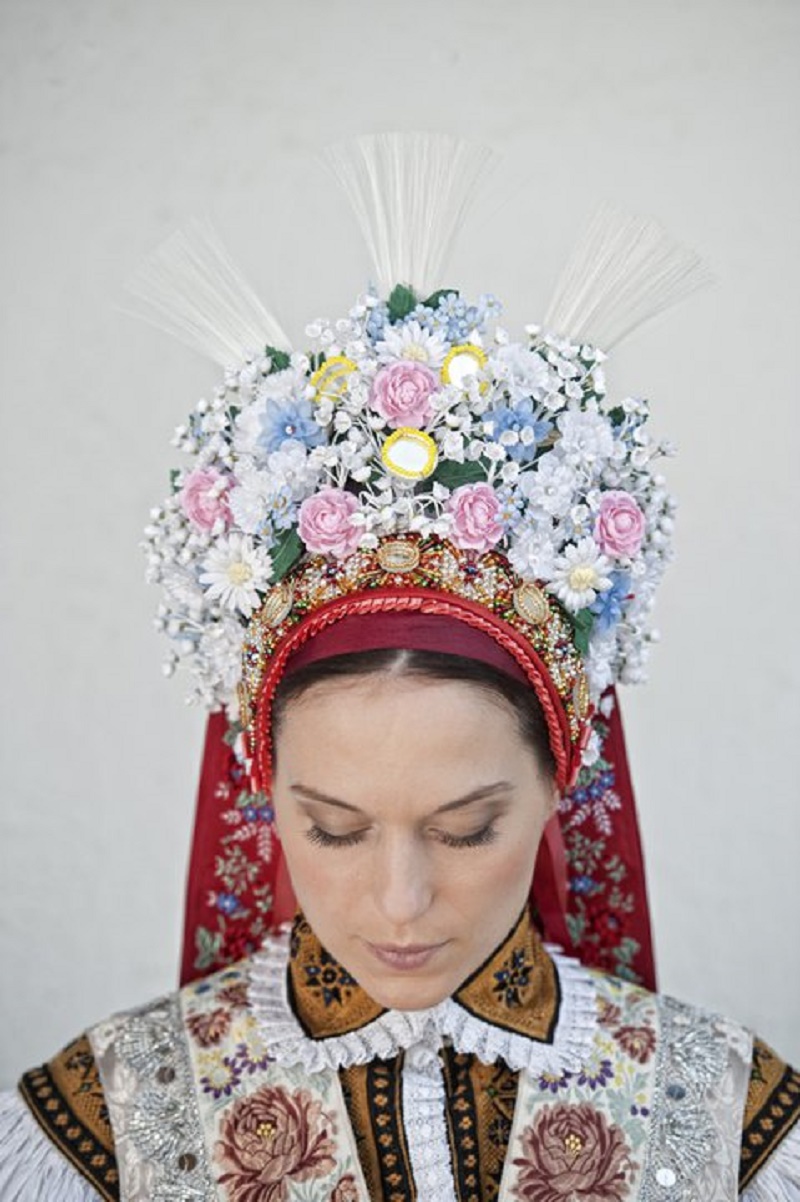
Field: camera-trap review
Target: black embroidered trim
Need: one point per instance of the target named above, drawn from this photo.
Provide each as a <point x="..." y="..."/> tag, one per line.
<point x="773" y="1121"/>
<point x="462" y="1126"/>
<point x="385" y="1103"/>
<point x="68" y="1133"/>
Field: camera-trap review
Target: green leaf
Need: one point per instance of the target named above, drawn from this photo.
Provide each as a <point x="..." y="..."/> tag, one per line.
<point x="616" y="415"/>
<point x="286" y="552"/>
<point x="452" y="474"/>
<point x="401" y="302"/>
<point x="208" y="944"/>
<point x="279" y="360"/>
<point x="436" y="297"/>
<point x="234" y="729"/>
<point x="582" y="623"/>
<point x="173" y="479"/>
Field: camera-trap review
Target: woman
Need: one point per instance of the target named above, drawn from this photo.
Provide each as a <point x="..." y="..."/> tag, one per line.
<point x="433" y="554"/>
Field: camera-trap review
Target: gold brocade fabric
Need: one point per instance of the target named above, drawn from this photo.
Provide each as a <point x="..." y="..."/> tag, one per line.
<point x="66" y="1099"/>
<point x="771" y="1110"/>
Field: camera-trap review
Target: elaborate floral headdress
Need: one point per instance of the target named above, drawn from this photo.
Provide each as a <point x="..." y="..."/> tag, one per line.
<point x="414" y="458"/>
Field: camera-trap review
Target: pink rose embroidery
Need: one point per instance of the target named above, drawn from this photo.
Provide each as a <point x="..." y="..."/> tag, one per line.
<point x="324" y="522"/>
<point x="270" y="1139"/>
<point x="572" y="1152"/>
<point x="619" y="526"/>
<point x="204" y="498"/>
<point x="209" y="1029"/>
<point x="345" y="1189"/>
<point x="476" y="517"/>
<point x="638" y="1042"/>
<point x="402" y="393"/>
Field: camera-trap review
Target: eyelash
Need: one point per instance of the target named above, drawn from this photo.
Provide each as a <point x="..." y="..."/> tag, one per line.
<point x="324" y="838"/>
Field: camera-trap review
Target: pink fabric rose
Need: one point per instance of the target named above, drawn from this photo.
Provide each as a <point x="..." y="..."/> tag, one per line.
<point x="619" y="526"/>
<point x="204" y="498"/>
<point x="476" y="517"/>
<point x="324" y="522"/>
<point x="402" y="394"/>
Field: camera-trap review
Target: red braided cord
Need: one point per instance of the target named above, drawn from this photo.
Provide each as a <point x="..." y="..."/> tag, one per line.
<point x="422" y="601"/>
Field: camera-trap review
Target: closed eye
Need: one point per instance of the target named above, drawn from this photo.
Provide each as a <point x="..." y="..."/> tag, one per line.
<point x="324" y="838"/>
<point x="477" y="839"/>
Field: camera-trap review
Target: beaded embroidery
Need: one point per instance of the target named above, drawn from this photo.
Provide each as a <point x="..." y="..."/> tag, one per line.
<point x="480" y="589"/>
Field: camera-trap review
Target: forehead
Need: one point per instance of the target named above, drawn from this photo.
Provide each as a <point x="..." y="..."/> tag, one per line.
<point x="369" y="737"/>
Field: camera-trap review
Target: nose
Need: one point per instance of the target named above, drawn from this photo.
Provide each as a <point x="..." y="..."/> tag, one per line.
<point x="402" y="883"/>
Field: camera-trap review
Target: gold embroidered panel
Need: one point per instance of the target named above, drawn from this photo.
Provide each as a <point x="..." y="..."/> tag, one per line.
<point x="66" y="1099"/>
<point x="517" y="987"/>
<point x="771" y="1110"/>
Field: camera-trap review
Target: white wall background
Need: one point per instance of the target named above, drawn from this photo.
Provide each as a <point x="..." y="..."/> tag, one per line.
<point x="121" y="118"/>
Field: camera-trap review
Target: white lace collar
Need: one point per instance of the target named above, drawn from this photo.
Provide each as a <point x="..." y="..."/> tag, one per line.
<point x="394" y="1031"/>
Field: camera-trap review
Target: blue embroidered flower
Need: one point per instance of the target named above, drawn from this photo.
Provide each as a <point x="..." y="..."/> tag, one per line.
<point x="596" y="788"/>
<point x="228" y="903"/>
<point x="512" y="977"/>
<point x="583" y="884"/>
<point x="330" y="979"/>
<point x="517" y="429"/>
<point x="289" y="419"/>
<point x="608" y="606"/>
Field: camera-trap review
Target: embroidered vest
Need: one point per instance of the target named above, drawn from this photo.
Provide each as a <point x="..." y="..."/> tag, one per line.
<point x="536" y="1081"/>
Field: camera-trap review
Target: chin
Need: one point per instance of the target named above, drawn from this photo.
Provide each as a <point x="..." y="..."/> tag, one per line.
<point x="407" y="993"/>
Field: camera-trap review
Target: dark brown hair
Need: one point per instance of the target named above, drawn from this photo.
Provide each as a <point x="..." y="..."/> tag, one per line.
<point x="427" y="665"/>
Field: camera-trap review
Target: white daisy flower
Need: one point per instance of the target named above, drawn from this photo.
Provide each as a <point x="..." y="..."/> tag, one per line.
<point x="234" y="570"/>
<point x="412" y="342"/>
<point x="581" y="572"/>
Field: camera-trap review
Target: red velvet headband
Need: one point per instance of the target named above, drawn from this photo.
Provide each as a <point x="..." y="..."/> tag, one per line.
<point x="410" y="631"/>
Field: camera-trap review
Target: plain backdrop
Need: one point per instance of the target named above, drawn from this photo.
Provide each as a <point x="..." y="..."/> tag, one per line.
<point x="123" y="118"/>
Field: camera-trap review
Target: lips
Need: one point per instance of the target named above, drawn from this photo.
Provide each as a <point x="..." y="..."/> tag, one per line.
<point x="405" y="957"/>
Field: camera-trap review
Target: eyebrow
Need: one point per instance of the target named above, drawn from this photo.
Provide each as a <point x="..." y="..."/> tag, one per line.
<point x="483" y="793"/>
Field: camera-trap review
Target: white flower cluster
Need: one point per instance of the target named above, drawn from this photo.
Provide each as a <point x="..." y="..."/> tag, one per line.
<point x="423" y="416"/>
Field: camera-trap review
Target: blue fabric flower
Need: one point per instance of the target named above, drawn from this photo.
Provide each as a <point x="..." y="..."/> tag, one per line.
<point x="608" y="606"/>
<point x="376" y="322"/>
<point x="281" y="507"/>
<point x="518" y="417"/>
<point x="289" y="419"/>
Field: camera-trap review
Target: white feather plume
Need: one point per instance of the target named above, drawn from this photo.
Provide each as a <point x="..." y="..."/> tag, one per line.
<point x="623" y="271"/>
<point x="190" y="287"/>
<point x="410" y="193"/>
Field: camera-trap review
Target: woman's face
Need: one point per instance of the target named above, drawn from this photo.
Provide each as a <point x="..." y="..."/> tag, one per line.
<point x="410" y="812"/>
